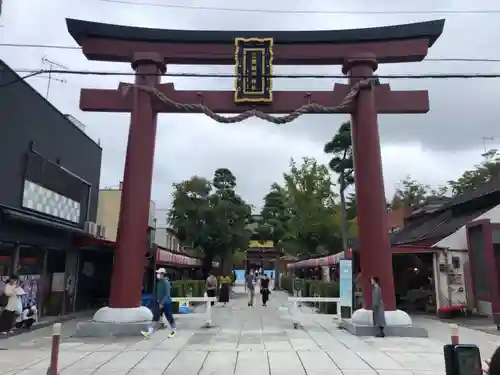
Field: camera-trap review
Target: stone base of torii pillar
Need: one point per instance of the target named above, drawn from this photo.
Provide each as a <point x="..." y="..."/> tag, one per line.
<point x="116" y="322"/>
<point x="398" y="323"/>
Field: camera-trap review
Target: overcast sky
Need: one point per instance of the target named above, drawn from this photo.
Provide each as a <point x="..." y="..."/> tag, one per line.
<point x="432" y="148"/>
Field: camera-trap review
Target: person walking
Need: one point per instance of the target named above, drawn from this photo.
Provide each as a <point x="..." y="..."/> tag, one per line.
<point x="8" y="315"/>
<point x="163" y="297"/>
<point x="249" y="282"/>
<point x="378" y="307"/>
<point x="264" y="289"/>
<point x="225" y="282"/>
<point x="211" y="286"/>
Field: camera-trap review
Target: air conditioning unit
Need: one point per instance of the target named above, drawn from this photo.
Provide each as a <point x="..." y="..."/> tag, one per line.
<point x="91" y="228"/>
<point x="101" y="232"/>
<point x="86" y="226"/>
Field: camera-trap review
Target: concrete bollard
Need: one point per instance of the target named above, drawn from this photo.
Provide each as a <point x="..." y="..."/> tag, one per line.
<point x="209" y="311"/>
<point x="454" y="334"/>
<point x="54" y="352"/>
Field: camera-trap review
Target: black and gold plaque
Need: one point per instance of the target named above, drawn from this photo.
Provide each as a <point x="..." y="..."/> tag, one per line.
<point x="253" y="69"/>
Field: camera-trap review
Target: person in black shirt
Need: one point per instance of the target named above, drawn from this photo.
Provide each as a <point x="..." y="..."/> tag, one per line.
<point x="264" y="289"/>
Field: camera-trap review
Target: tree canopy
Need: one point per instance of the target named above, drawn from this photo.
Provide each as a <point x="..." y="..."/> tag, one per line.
<point x="340" y="147"/>
<point x="342" y="163"/>
<point x="311" y="202"/>
<point x="275" y="217"/>
<point x="299" y="216"/>
<point x="411" y="193"/>
<point x="488" y="169"/>
<point x="210" y="216"/>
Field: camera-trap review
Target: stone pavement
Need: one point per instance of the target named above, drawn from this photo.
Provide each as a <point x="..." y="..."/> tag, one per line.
<point x="258" y="340"/>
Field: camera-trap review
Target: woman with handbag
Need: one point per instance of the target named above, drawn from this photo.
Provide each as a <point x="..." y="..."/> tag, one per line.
<point x="8" y="315"/>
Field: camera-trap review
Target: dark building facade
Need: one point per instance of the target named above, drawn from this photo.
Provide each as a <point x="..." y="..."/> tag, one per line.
<point x="50" y="171"/>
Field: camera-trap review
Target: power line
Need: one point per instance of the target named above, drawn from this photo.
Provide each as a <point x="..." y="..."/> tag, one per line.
<point x="77" y="48"/>
<point x="20" y="79"/>
<point x="289" y="76"/>
<point x="47" y="46"/>
<point x="304" y="11"/>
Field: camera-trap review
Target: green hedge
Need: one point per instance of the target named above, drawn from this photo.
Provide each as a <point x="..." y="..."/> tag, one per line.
<point x="183" y="288"/>
<point x="311" y="288"/>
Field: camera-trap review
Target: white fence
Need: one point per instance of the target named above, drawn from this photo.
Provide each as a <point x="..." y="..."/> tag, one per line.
<point x="206" y="299"/>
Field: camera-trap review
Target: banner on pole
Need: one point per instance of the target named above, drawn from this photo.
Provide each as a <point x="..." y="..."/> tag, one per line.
<point x="346" y="282"/>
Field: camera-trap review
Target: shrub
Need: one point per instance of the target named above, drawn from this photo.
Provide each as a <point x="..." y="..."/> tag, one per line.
<point x="182" y="288"/>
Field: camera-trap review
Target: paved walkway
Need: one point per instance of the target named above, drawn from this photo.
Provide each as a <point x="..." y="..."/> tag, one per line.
<point x="259" y="340"/>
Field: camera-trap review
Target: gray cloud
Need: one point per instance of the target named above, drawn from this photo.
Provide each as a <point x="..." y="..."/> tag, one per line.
<point x="433" y="147"/>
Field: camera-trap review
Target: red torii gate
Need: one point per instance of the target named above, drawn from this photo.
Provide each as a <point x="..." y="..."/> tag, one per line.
<point x="150" y="50"/>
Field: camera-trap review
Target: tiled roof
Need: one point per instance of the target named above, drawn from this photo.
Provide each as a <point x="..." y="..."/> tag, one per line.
<point x="493" y="186"/>
<point x="436" y="227"/>
<point x="442" y="221"/>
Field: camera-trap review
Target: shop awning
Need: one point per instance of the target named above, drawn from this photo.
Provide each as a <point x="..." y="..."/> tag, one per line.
<point x="317" y="262"/>
<point x="166" y="257"/>
<point x="335" y="258"/>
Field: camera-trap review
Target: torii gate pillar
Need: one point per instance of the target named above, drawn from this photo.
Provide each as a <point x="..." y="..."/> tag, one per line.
<point x="375" y="249"/>
<point x="132" y="236"/>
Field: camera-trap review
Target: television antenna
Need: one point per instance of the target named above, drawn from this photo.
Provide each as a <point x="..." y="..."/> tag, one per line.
<point x="51" y="65"/>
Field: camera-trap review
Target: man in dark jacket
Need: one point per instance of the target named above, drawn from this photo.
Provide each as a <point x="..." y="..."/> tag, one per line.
<point x="163" y="299"/>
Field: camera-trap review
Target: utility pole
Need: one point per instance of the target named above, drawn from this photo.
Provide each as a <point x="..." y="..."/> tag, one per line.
<point x="51" y="65"/>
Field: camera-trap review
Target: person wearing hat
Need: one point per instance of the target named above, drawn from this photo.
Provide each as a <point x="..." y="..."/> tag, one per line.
<point x="164" y="303"/>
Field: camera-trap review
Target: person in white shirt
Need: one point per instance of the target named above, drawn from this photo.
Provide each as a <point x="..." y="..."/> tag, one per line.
<point x="8" y="315"/>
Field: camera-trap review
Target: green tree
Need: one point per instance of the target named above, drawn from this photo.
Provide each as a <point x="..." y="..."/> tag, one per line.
<point x="224" y="182"/>
<point x="275" y="217"/>
<point x="351" y="206"/>
<point x="190" y="204"/>
<point x="487" y="170"/>
<point x="211" y="216"/>
<point x="411" y="193"/>
<point x="340" y="146"/>
<point x="311" y="206"/>
<point x="275" y="221"/>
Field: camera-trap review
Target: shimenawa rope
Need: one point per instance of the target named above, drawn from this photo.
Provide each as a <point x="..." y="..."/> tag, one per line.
<point x="307" y="108"/>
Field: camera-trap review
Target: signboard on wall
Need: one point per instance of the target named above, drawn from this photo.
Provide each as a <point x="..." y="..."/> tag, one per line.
<point x="261" y="245"/>
<point x="40" y="199"/>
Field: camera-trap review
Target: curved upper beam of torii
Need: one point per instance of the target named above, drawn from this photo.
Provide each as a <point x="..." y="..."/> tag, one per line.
<point x="391" y="44"/>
